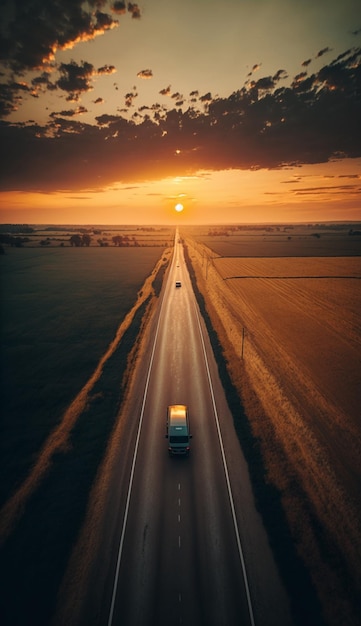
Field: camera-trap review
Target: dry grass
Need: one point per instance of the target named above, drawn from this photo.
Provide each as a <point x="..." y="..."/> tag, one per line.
<point x="299" y="381"/>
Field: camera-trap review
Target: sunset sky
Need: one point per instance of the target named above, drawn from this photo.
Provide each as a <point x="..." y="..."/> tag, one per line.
<point x="240" y="110"/>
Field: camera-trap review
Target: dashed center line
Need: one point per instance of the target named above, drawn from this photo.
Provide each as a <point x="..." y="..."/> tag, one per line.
<point x="179" y="541"/>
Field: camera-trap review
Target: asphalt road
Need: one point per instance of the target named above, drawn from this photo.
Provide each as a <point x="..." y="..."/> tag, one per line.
<point x="184" y="544"/>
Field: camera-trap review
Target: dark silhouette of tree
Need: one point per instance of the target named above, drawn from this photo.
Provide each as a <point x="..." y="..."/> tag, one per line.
<point x="86" y="239"/>
<point x="117" y="240"/>
<point x="75" y="240"/>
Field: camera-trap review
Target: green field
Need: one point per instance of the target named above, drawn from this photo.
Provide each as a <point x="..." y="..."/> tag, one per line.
<point x="60" y="310"/>
<point x="61" y="313"/>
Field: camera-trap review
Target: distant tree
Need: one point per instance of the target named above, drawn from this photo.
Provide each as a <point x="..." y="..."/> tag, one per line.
<point x="75" y="240"/>
<point x="117" y="240"/>
<point x="85" y="240"/>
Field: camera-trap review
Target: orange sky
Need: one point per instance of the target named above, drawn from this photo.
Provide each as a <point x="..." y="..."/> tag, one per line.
<point x="308" y="193"/>
<point x="242" y="111"/>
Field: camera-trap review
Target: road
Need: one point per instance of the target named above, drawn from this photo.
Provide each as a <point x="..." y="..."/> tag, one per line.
<point x="186" y="545"/>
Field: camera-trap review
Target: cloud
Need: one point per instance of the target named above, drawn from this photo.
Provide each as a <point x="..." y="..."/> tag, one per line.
<point x="37" y="29"/>
<point x="70" y="112"/>
<point x="120" y="8"/>
<point x="129" y="97"/>
<point x="207" y="97"/>
<point x="280" y="75"/>
<point x="75" y="78"/>
<point x="165" y="91"/>
<point x="322" y="52"/>
<point x="134" y="10"/>
<point x="32" y="33"/>
<point x="256" y="67"/>
<point x="263" y="124"/>
<point x="145" y="74"/>
<point x="106" y="69"/>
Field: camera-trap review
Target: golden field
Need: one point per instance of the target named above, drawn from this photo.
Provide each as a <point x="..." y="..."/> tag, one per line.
<point x="290" y="329"/>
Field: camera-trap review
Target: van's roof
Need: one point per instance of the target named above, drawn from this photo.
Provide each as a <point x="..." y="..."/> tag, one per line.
<point x="178" y="413"/>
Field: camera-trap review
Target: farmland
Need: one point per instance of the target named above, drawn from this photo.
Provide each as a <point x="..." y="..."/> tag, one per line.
<point x="70" y="323"/>
<point x="290" y="329"/>
<point x="84" y="236"/>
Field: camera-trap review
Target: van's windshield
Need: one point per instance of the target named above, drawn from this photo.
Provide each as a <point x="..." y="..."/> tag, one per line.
<point x="178" y="439"/>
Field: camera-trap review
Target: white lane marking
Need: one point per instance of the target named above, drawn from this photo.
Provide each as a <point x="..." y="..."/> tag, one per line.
<point x="179" y="501"/>
<point x="238" y="539"/>
<point x="179" y="541"/>
<point x="121" y="542"/>
<point x="179" y="517"/>
<point x="179" y="487"/>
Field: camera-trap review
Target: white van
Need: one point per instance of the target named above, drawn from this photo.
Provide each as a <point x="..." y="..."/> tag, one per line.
<point x="178" y="433"/>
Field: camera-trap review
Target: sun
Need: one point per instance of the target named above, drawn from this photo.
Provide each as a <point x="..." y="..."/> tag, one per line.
<point x="179" y="207"/>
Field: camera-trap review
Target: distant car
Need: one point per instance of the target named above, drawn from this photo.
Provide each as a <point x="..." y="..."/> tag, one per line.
<point x="178" y="283"/>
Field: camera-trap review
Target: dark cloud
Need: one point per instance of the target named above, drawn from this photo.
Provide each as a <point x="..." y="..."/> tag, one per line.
<point x="121" y="7"/>
<point x="263" y="124"/>
<point x="69" y="113"/>
<point x="106" y="69"/>
<point x="129" y="97"/>
<point x="165" y="91"/>
<point x="207" y="97"/>
<point x="280" y="75"/>
<point x="11" y="96"/>
<point x="134" y="10"/>
<point x="322" y="52"/>
<point x="75" y="78"/>
<point x="33" y="31"/>
<point x="145" y="74"/>
<point x="306" y="63"/>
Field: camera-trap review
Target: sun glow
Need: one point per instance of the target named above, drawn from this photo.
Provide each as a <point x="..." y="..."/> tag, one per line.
<point x="179" y="207"/>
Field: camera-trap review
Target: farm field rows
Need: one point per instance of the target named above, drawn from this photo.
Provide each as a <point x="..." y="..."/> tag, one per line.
<point x="314" y="240"/>
<point x="304" y="315"/>
<point x="300" y="382"/>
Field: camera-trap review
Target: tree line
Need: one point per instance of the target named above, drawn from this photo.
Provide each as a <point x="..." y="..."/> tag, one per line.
<point x="118" y="240"/>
